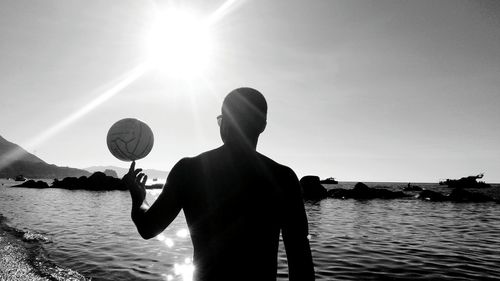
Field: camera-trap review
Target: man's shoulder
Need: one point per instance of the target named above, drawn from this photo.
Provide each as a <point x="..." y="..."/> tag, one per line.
<point x="204" y="155"/>
<point x="215" y="155"/>
<point x="192" y="162"/>
<point x="187" y="165"/>
<point x="278" y="167"/>
<point x="201" y="156"/>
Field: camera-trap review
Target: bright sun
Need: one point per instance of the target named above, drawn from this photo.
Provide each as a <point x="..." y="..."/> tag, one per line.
<point x="179" y="43"/>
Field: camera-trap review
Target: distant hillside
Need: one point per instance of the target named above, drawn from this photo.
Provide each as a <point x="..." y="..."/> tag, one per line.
<point x="152" y="173"/>
<point x="7" y="148"/>
<point x="14" y="160"/>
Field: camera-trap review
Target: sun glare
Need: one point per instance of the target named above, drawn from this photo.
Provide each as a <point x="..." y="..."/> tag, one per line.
<point x="179" y="43"/>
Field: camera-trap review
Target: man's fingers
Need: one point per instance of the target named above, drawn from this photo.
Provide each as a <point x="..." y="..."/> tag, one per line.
<point x="144" y="179"/>
<point x="136" y="172"/>
<point x="132" y="167"/>
<point x="139" y="177"/>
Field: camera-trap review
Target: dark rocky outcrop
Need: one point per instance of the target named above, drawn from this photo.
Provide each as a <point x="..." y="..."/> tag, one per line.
<point x="413" y="188"/>
<point x="362" y="191"/>
<point x="430" y="195"/>
<point x="461" y="195"/>
<point x="97" y="181"/>
<point x="152" y="173"/>
<point x="312" y="188"/>
<point x="155" y="186"/>
<point x="33" y="184"/>
<point x="457" y="195"/>
<point x="339" y="193"/>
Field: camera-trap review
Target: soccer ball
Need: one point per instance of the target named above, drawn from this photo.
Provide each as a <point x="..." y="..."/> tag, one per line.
<point x="130" y="139"/>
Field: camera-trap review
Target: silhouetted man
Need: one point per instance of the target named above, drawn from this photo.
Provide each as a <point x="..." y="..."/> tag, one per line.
<point x="236" y="202"/>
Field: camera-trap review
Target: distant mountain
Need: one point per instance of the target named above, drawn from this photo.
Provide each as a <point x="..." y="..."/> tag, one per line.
<point x="9" y="151"/>
<point x="151" y="173"/>
<point x="15" y="160"/>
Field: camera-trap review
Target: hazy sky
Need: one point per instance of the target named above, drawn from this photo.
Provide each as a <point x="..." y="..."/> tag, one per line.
<point x="358" y="90"/>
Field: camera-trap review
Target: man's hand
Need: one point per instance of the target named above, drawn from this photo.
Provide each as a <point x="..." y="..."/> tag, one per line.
<point x="135" y="181"/>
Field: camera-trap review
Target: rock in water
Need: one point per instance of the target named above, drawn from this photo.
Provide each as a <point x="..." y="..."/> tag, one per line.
<point x="362" y="192"/>
<point x="413" y="188"/>
<point x="98" y="181"/>
<point x="33" y="184"/>
<point x="431" y="196"/>
<point x="29" y="236"/>
<point x="461" y="195"/>
<point x="312" y="188"/>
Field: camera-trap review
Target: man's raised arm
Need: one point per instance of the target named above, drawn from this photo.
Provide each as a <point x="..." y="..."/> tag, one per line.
<point x="152" y="220"/>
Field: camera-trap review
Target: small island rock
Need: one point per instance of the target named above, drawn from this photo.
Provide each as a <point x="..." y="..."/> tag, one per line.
<point x="33" y="184"/>
<point x="461" y="195"/>
<point x="362" y="191"/>
<point x="312" y="188"/>
<point x="97" y="181"/>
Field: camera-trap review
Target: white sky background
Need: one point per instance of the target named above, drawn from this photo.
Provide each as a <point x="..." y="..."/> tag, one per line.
<point x="358" y="90"/>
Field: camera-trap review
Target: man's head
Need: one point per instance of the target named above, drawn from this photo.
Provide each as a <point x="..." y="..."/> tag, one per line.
<point x="244" y="114"/>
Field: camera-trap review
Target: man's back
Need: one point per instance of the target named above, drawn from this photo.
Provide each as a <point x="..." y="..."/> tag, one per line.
<point x="235" y="204"/>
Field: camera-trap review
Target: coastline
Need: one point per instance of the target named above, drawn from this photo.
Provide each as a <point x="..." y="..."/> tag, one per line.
<point x="26" y="248"/>
<point x="13" y="261"/>
<point x="22" y="258"/>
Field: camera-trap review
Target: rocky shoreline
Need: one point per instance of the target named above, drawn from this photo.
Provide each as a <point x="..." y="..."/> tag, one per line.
<point x="314" y="190"/>
<point x="22" y="258"/>
<point x="98" y="181"/>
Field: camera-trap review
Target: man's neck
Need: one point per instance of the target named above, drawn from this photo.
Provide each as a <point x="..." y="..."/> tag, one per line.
<point x="243" y="145"/>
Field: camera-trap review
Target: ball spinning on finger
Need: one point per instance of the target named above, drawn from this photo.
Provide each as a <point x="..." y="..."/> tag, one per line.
<point x="130" y="139"/>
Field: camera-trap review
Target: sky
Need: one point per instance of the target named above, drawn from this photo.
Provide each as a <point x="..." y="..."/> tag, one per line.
<point x="357" y="90"/>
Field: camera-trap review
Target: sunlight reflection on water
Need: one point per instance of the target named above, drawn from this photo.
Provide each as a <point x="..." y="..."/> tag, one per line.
<point x="168" y="241"/>
<point x="92" y="233"/>
<point x="183" y="270"/>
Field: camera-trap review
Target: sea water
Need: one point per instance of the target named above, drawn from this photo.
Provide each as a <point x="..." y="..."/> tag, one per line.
<point x="401" y="239"/>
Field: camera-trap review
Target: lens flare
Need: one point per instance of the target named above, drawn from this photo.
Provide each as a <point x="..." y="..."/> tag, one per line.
<point x="177" y="40"/>
<point x="116" y="87"/>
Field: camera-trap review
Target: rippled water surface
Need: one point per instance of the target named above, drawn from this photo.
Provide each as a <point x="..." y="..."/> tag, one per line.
<point x="91" y="232"/>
